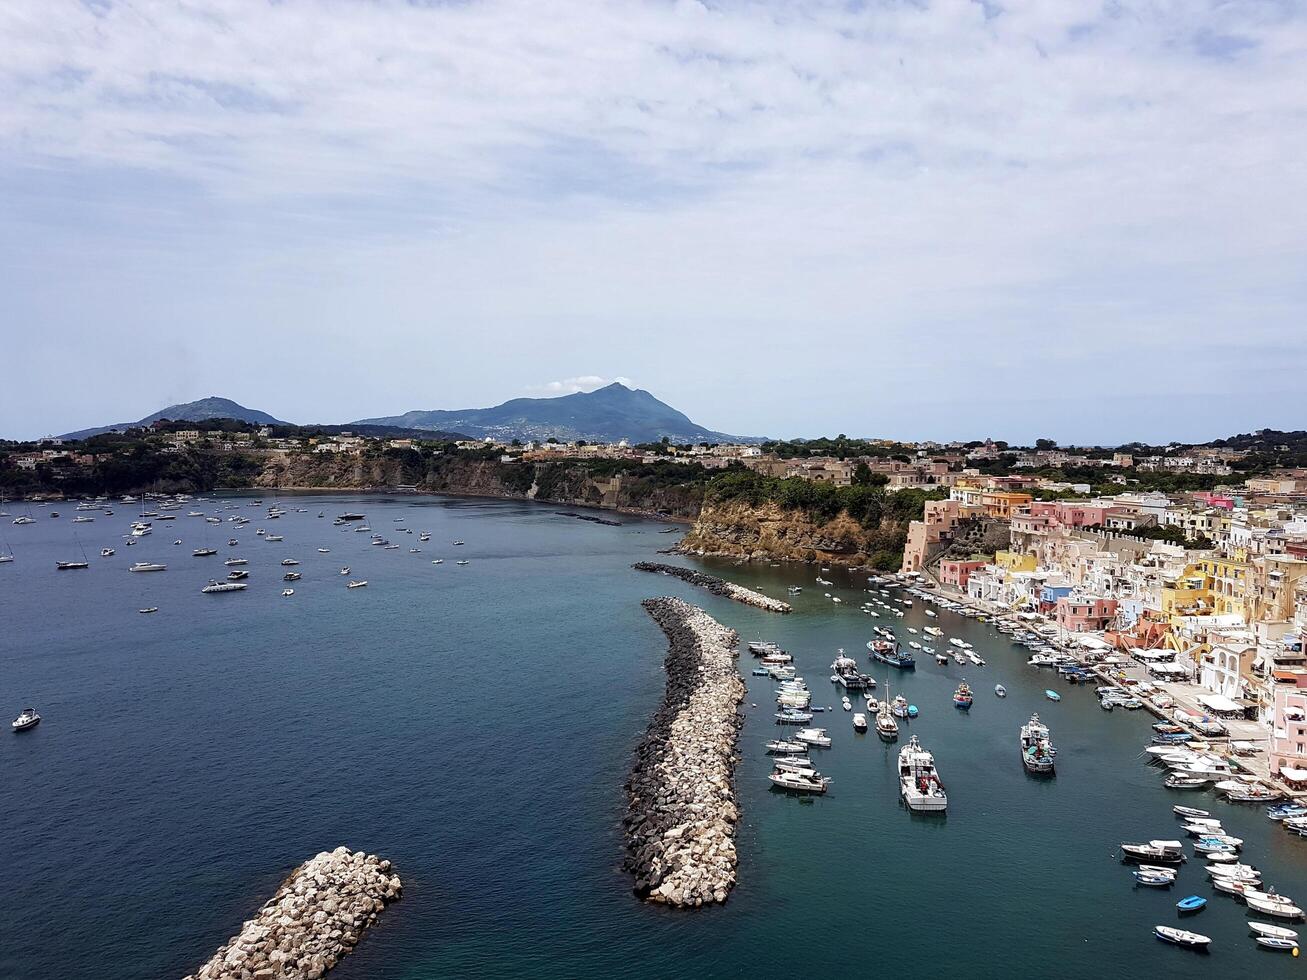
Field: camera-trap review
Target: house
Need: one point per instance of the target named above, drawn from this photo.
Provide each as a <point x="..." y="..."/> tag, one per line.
<point x="1084" y="615"/>
<point x="956" y="573"/>
<point x="1288" y="749"/>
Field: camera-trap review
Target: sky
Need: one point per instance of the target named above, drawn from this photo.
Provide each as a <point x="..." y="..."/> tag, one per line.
<point x="941" y="219"/>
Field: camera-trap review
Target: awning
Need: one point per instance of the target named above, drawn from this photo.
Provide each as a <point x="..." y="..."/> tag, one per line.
<point x="1220" y="704"/>
<point x="1297" y="775"/>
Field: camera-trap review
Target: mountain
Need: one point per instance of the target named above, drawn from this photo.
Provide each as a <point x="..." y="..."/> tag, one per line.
<point x="606" y="415"/>
<point x="197" y="411"/>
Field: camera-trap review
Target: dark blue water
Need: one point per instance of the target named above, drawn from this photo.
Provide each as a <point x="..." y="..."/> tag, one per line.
<point x="474" y="724"/>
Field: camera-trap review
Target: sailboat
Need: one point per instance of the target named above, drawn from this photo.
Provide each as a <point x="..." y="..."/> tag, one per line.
<point x="886" y="727"/>
<point x="67" y="565"/>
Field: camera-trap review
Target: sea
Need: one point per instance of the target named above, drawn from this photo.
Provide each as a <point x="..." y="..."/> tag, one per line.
<point x="475" y="725"/>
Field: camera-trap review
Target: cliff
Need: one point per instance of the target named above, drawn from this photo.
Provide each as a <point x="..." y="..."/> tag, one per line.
<point x="563" y="483"/>
<point x="768" y="532"/>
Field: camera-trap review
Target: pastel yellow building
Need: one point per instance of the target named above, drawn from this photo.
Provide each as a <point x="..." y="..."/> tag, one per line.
<point x="1015" y="561"/>
<point x="1229" y="585"/>
<point x="1189" y="595"/>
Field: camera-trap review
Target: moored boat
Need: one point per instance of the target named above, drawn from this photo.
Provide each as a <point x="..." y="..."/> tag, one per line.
<point x="1181" y="937"/>
<point x="1037" y="752"/>
<point x="27" y="718"/>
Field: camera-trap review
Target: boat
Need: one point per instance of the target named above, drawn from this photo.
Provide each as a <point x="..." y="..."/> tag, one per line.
<point x="1000" y="690"/>
<point x="962" y="697"/>
<point x="1270" y="904"/>
<point x="230" y="562"/>
<point x="1037" y="752"/>
<point x="1052" y="695"/>
<point x="216" y="586"/>
<point x="793" y="716"/>
<point x="813" y="736"/>
<point x="289" y="561"/>
<point x="356" y="585"/>
<point x="24" y="520"/>
<point x="919" y="782"/>
<point x="437" y="561"/>
<point x="273" y="537"/>
<point x="799" y="782"/>
<point x="148" y="566"/>
<point x="1151" y="879"/>
<point x="232" y="542"/>
<point x="237" y="575"/>
<point x="1176" y="781"/>
<point x="1193" y="903"/>
<point x="1272" y="932"/>
<point x="292" y="577"/>
<point x="27" y="718"/>
<point x="345" y="570"/>
<point x="203" y="552"/>
<point x="889" y="652"/>
<point x="779" y="746"/>
<point x="1274" y="942"/>
<point x="462" y="561"/>
<point x="899" y="706"/>
<point x="106" y="552"/>
<point x="1181" y="937"/>
<point x="859" y="722"/>
<point x="793" y="763"/>
<point x="324" y="551"/>
<point x="64" y="566"/>
<point x="1159" y="851"/>
<point x="287" y="592"/>
<point x="1189" y="811"/>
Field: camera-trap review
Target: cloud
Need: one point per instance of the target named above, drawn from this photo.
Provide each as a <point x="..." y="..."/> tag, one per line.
<point x="585" y="382"/>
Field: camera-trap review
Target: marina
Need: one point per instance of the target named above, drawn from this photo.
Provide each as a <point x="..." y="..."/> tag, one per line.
<point x="547" y="592"/>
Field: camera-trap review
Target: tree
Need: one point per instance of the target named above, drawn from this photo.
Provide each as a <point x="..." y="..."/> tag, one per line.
<point x="1045" y="443"/>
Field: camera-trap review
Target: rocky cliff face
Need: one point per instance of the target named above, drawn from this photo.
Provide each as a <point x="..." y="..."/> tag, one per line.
<point x="767" y="532"/>
<point x="559" y="483"/>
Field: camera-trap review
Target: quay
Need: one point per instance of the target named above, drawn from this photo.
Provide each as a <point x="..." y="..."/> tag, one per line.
<point x="716" y="586"/>
<point x="316" y="917"/>
<point x="1184" y="694"/>
<point x="681" y="809"/>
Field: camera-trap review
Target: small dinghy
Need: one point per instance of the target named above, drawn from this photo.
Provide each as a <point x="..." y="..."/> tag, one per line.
<point x="1189" y="811"/>
<point x="149" y="609"/>
<point x="1151" y="879"/>
<point x="287" y="592"/>
<point x="1193" y="903"/>
<point x="1000" y="690"/>
<point x="1052" y="695"/>
<point x="784" y="747"/>
<point x="1181" y="937"/>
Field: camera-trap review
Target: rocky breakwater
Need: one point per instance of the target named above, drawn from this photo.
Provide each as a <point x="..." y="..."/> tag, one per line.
<point x="314" y="919"/>
<point x="681" y="811"/>
<point x="716" y="586"/>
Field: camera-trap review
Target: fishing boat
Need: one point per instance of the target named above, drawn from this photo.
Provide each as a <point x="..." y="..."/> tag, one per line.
<point x="899" y="706"/>
<point x="1181" y="937"/>
<point x="919" y="782"/>
<point x="1159" y="851"/>
<point x="799" y="782"/>
<point x="1270" y="904"/>
<point x="1193" y="903"/>
<point x="27" y="718"/>
<point x="1000" y="690"/>
<point x="1052" y="695"/>
<point x="859" y="722"/>
<point x="1176" y="781"/>
<point x="962" y="697"/>
<point x="1037" y="752"/>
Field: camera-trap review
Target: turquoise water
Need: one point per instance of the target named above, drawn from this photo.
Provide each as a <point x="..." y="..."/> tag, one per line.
<point x="474" y="724"/>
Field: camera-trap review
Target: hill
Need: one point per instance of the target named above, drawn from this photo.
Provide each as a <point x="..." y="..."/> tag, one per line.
<point x="606" y="415"/>
<point x="197" y="411"/>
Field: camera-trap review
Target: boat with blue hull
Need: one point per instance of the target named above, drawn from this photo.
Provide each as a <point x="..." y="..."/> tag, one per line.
<point x="890" y="653"/>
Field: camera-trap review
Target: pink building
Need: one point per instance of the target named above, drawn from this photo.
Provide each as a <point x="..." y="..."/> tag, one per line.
<point x="1288" y="749"/>
<point x="1069" y="513"/>
<point x="1085" y="615"/>
<point x="958" y="573"/>
<point x="1215" y="499"/>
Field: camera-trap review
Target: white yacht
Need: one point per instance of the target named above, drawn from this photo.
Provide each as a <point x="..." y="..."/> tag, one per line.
<point x="356" y="585"/>
<point x="203" y="552"/>
<point x="106" y="552"/>
<point x="148" y="566"/>
<point x="919" y="781"/>
<point x="24" y="520"/>
<point x="216" y="586"/>
<point x="230" y="562"/>
<point x="813" y="736"/>
<point x="26" y="719"/>
<point x="801" y="782"/>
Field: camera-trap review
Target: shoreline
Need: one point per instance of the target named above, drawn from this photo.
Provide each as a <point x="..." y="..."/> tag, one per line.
<point x="681" y="807"/>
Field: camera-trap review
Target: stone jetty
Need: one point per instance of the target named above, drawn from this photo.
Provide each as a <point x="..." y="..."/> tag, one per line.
<point x="716" y="586"/>
<point x="681" y="811"/>
<point x="316" y="917"/>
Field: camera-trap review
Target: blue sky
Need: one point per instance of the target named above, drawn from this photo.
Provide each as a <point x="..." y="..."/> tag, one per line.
<point x="933" y="220"/>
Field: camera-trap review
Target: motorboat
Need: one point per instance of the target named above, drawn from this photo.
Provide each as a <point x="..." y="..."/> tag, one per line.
<point x="149" y="609"/>
<point x="106" y="552"/>
<point x="886" y="727"/>
<point x="962" y="697"/>
<point x="1189" y="812"/>
<point x="287" y="592"/>
<point x="919" y="782"/>
<point x="859" y="722"/>
<point x="1272" y="932"/>
<point x="1274" y="942"/>
<point x="462" y="561"/>
<point x="324" y="551"/>
<point x="289" y="561"/>
<point x="345" y="570"/>
<point x="1270" y="904"/>
<point x="64" y="566"/>
<point x="1052" y="695"/>
<point x="1152" y="879"/>
<point x="27" y="718"/>
<point x="292" y="577"/>
<point x="899" y="706"/>
<point x="793" y="763"/>
<point x="793" y="716"/>
<point x="1037" y="752"/>
<point x="1193" y="903"/>
<point x="779" y="746"/>
<point x="148" y="566"/>
<point x="813" y="736"/>
<point x="356" y="585"/>
<point x="1176" y="781"/>
<point x="1181" y="937"/>
<point x="1159" y="851"/>
<point x="1000" y="690"/>
<point x="216" y="586"/>
<point x="799" y="782"/>
<point x="237" y="574"/>
<point x="203" y="552"/>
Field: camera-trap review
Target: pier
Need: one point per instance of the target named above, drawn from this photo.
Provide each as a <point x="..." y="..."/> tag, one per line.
<point x="681" y="809"/>
<point x="316" y="917"/>
<point x="716" y="586"/>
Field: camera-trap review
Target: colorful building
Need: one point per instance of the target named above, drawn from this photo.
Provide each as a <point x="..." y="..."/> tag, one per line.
<point x="957" y="573"/>
<point x="1085" y="615"/>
